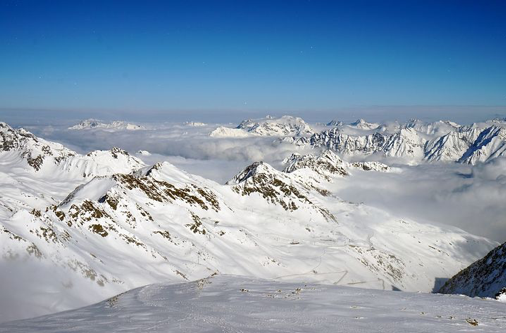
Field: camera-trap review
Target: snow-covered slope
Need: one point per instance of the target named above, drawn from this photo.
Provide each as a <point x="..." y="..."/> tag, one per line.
<point x="490" y="144"/>
<point x="451" y="146"/>
<point x="269" y="126"/>
<point x="112" y="126"/>
<point x="486" y="277"/>
<point x="414" y="141"/>
<point x="236" y="304"/>
<point x="88" y="227"/>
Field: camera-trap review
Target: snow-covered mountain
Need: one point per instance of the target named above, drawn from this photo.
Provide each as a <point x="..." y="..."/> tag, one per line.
<point x="334" y="122"/>
<point x="415" y="141"/>
<point x="195" y="124"/>
<point x="46" y="158"/>
<point x="364" y="125"/>
<point x="91" y="226"/>
<point x="112" y="126"/>
<point x="486" y="277"/>
<point x="269" y="126"/>
<point x="239" y="304"/>
<point x="227" y="132"/>
<point x="491" y="143"/>
<point x="328" y="164"/>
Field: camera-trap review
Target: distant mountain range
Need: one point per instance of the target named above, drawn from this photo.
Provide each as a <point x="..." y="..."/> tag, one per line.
<point x="97" y="124"/>
<point x="412" y="142"/>
<point x="269" y="126"/>
<point x="415" y="141"/>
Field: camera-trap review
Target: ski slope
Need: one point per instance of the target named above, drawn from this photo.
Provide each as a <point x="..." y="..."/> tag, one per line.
<point x="236" y="304"/>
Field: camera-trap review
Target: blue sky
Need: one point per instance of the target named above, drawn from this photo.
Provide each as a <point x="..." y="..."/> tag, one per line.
<point x="167" y="57"/>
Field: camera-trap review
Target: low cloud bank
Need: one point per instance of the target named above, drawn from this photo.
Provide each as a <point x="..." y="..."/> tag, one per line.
<point x="472" y="198"/>
<point x="190" y="148"/>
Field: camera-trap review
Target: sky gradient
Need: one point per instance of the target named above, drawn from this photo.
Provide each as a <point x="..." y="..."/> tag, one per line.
<point x="171" y="56"/>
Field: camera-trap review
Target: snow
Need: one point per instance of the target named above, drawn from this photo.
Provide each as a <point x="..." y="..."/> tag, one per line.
<point x="269" y="126"/>
<point x="90" y="124"/>
<point x="226" y="132"/>
<point x="364" y="125"/>
<point x="238" y="304"/>
<point x="92" y="226"/>
<point x="195" y="124"/>
<point x="265" y="223"/>
<point x="413" y="142"/>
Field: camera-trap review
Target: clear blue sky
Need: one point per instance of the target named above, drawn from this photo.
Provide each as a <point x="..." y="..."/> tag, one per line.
<point x="250" y="55"/>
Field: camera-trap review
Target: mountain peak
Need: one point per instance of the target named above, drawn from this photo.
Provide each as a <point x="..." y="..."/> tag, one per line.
<point x="91" y="123"/>
<point x="334" y="123"/>
<point x="282" y="126"/>
<point x="364" y="125"/>
<point x="326" y="162"/>
<point x="250" y="171"/>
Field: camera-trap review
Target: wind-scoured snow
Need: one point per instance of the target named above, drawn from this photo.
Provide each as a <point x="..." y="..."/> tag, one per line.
<point x="236" y="304"/>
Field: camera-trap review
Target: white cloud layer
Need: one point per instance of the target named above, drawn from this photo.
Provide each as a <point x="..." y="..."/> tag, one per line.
<point x="469" y="197"/>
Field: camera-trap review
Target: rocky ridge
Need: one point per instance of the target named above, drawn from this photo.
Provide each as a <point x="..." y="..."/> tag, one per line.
<point x="414" y="141"/>
<point x="485" y="278"/>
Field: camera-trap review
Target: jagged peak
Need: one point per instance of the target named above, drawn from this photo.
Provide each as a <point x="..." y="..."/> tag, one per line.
<point x="449" y="122"/>
<point x="149" y="171"/>
<point x="362" y="124"/>
<point x="326" y="162"/>
<point x="251" y="171"/>
<point x="334" y="123"/>
<point x="414" y="123"/>
<point x="91" y="122"/>
<point x="116" y="150"/>
<point x="4" y="126"/>
<point x="359" y="122"/>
